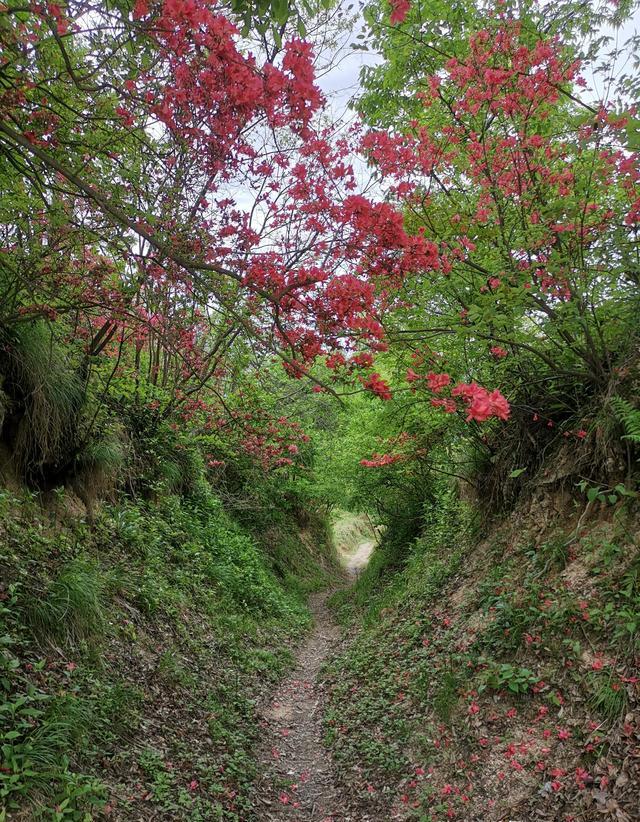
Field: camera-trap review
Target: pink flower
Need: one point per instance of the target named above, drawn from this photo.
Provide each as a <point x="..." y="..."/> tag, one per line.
<point x="581" y="776"/>
<point x="399" y="11"/>
<point x="436" y="382"/>
<point x="378" y="386"/>
<point x="499" y="406"/>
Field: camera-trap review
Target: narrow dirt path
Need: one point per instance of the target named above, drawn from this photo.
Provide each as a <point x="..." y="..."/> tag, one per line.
<point x="297" y="780"/>
<point x="358" y="560"/>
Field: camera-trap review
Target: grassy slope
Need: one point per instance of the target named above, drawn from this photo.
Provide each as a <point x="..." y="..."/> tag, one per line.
<point x="495" y="679"/>
<point x="132" y="654"/>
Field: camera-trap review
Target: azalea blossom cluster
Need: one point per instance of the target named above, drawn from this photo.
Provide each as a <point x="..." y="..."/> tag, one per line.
<point x="317" y="259"/>
<point x="271" y="441"/>
<point x="481" y="167"/>
<point x="478" y="403"/>
<point x="401" y="449"/>
<point x="303" y="262"/>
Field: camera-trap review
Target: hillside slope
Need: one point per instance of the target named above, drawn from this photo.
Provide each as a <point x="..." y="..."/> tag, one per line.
<point x="134" y="652"/>
<point x="496" y="676"/>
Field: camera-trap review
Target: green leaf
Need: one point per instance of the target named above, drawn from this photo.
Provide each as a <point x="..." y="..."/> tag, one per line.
<point x="612" y="499"/>
<point x="624" y="492"/>
<point x="633" y="134"/>
<point x="592" y="493"/>
<point x="517" y="472"/>
<point x="280" y="10"/>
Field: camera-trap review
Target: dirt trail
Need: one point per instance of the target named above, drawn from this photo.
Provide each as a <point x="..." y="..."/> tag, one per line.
<point x="297" y="779"/>
<point x="358" y="560"/>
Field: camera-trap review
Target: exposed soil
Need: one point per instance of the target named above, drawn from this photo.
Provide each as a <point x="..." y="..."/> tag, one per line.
<point x="297" y="776"/>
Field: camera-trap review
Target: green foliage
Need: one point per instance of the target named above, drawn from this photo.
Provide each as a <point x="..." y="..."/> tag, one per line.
<point x="105" y="455"/>
<point x="274" y="15"/>
<point x="181" y="582"/>
<point x="607" y="698"/>
<point x="629" y="416"/>
<point x="446" y="696"/>
<point x="513" y="678"/>
<point x="350" y="530"/>
<point x="618" y="612"/>
<point x="383" y="687"/>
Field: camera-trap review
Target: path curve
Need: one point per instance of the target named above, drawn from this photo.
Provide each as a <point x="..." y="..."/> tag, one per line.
<point x="359" y="559"/>
<point x="297" y="780"/>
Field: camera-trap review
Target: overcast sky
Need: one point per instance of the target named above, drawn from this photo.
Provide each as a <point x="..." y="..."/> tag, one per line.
<point x="341" y="83"/>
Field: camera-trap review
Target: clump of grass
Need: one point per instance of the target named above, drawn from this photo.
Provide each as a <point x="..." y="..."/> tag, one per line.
<point x="48" y="393"/>
<point x="99" y="467"/>
<point x="609" y="699"/>
<point x="63" y="728"/>
<point x="71" y="608"/>
<point x="106" y="454"/>
<point x="446" y="697"/>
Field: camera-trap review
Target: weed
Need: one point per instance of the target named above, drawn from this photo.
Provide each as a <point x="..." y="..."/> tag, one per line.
<point x="514" y="679"/>
<point x="172" y="670"/>
<point x="446" y="696"/>
<point x="554" y="553"/>
<point x="159" y="778"/>
<point x="608" y="696"/>
<point x="71" y="608"/>
<point x="47" y="391"/>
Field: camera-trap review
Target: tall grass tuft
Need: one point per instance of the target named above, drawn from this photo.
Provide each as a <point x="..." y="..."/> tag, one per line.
<point x="99" y="466"/>
<point x="47" y="390"/>
<point x="72" y="607"/>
